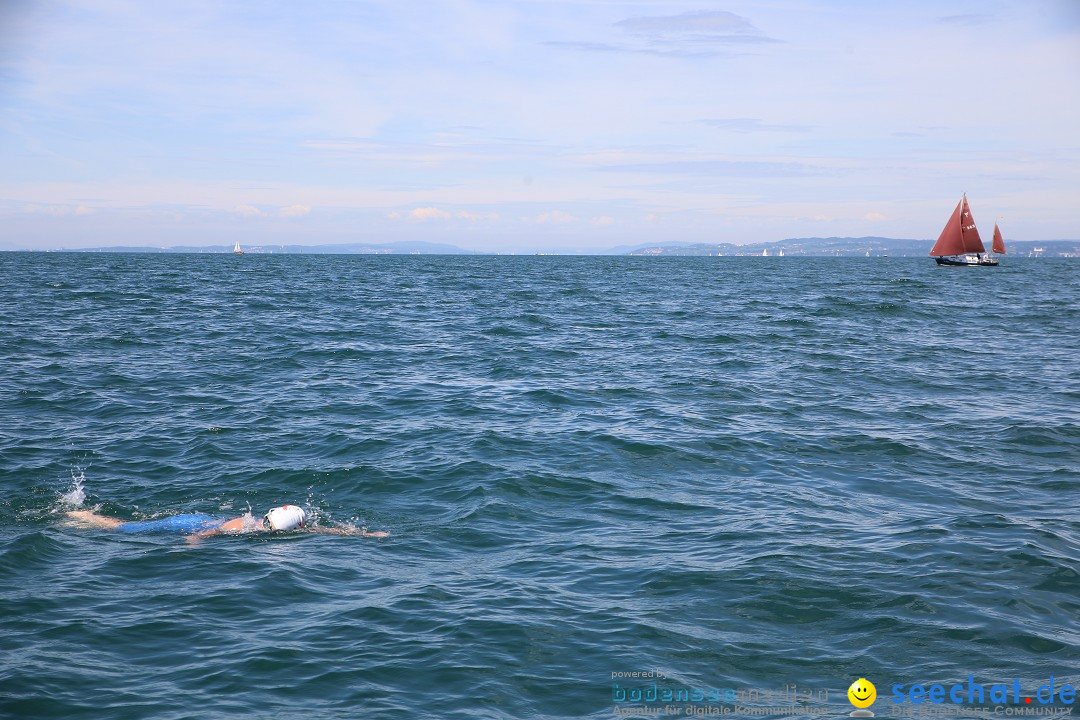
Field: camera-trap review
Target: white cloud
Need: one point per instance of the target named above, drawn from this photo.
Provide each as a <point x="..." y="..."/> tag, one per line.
<point x="429" y="213"/>
<point x="294" y="211"/>
<point x="603" y="220"/>
<point x="554" y="216"/>
<point x="393" y="215"/>
<point x="874" y="217"/>
<point x="247" y="210"/>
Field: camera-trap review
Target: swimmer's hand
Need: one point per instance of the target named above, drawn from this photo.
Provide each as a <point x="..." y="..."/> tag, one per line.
<point x="195" y="538"/>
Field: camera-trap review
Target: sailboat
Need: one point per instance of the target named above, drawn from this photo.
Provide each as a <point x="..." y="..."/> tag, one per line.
<point x="959" y="243"/>
<point x="236" y="249"/>
<point x="765" y="252"/>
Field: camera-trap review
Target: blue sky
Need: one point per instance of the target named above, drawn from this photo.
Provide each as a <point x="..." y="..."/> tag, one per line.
<point x="525" y="126"/>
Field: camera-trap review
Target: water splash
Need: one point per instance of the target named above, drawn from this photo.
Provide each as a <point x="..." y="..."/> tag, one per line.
<point x="250" y="523"/>
<point x="75" y="496"/>
<point x="313" y="511"/>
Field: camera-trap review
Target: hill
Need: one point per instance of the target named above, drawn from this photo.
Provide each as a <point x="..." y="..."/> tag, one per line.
<point x="394" y="248"/>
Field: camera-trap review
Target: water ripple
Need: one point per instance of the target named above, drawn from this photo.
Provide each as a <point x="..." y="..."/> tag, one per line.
<point x="743" y="478"/>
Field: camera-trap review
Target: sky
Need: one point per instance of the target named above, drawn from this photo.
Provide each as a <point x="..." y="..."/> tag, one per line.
<point x="546" y="125"/>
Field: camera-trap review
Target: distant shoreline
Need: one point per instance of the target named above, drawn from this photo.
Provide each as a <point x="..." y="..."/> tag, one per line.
<point x="793" y="247"/>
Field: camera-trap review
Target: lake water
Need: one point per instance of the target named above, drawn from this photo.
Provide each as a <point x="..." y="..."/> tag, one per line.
<point x="739" y="473"/>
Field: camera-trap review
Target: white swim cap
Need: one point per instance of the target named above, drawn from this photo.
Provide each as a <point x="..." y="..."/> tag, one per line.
<point x="286" y="517"/>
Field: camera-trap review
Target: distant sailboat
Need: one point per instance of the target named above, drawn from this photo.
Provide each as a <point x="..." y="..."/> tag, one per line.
<point x="236" y="249"/>
<point x="765" y="252"/>
<point x="781" y="252"/>
<point x="959" y="243"/>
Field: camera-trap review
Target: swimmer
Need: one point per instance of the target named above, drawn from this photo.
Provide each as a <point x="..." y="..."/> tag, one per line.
<point x="196" y="526"/>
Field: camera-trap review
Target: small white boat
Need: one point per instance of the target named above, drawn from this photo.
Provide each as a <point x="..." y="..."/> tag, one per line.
<point x="236" y="249"/>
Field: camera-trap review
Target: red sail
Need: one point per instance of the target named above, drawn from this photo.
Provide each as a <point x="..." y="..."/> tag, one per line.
<point x="999" y="242"/>
<point x="960" y="234"/>
<point x="951" y="240"/>
<point x="972" y="242"/>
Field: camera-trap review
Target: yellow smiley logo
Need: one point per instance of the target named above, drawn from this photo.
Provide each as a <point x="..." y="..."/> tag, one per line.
<point x="862" y="693"/>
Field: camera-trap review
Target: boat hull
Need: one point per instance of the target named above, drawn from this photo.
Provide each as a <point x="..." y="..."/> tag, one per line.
<point x="967" y="260"/>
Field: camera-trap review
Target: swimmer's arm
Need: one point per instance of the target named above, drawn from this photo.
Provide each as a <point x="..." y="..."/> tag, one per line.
<point x="196" y="537"/>
<point x="234" y="525"/>
<point x="348" y="530"/>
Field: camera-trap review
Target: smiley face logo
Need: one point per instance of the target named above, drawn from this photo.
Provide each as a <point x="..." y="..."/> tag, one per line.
<point x="862" y="693"/>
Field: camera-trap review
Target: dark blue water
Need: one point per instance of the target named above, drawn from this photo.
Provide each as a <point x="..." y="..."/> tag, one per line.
<point x="741" y="472"/>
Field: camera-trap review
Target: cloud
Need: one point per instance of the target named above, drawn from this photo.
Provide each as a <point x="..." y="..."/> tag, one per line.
<point x="874" y="217"/>
<point x="692" y="34"/>
<point x="477" y="217"/>
<point x="703" y="22"/>
<point x="294" y="211"/>
<point x="613" y="48"/>
<point x="434" y="213"/>
<point x="967" y="20"/>
<point x="247" y="210"/>
<point x="716" y="168"/>
<point x="602" y="220"/>
<point x="57" y="210"/>
<point x="554" y="217"/>
<point x="429" y="213"/>
<point x="748" y="125"/>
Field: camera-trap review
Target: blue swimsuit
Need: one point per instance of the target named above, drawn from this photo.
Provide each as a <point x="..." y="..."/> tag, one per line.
<point x="190" y="523"/>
